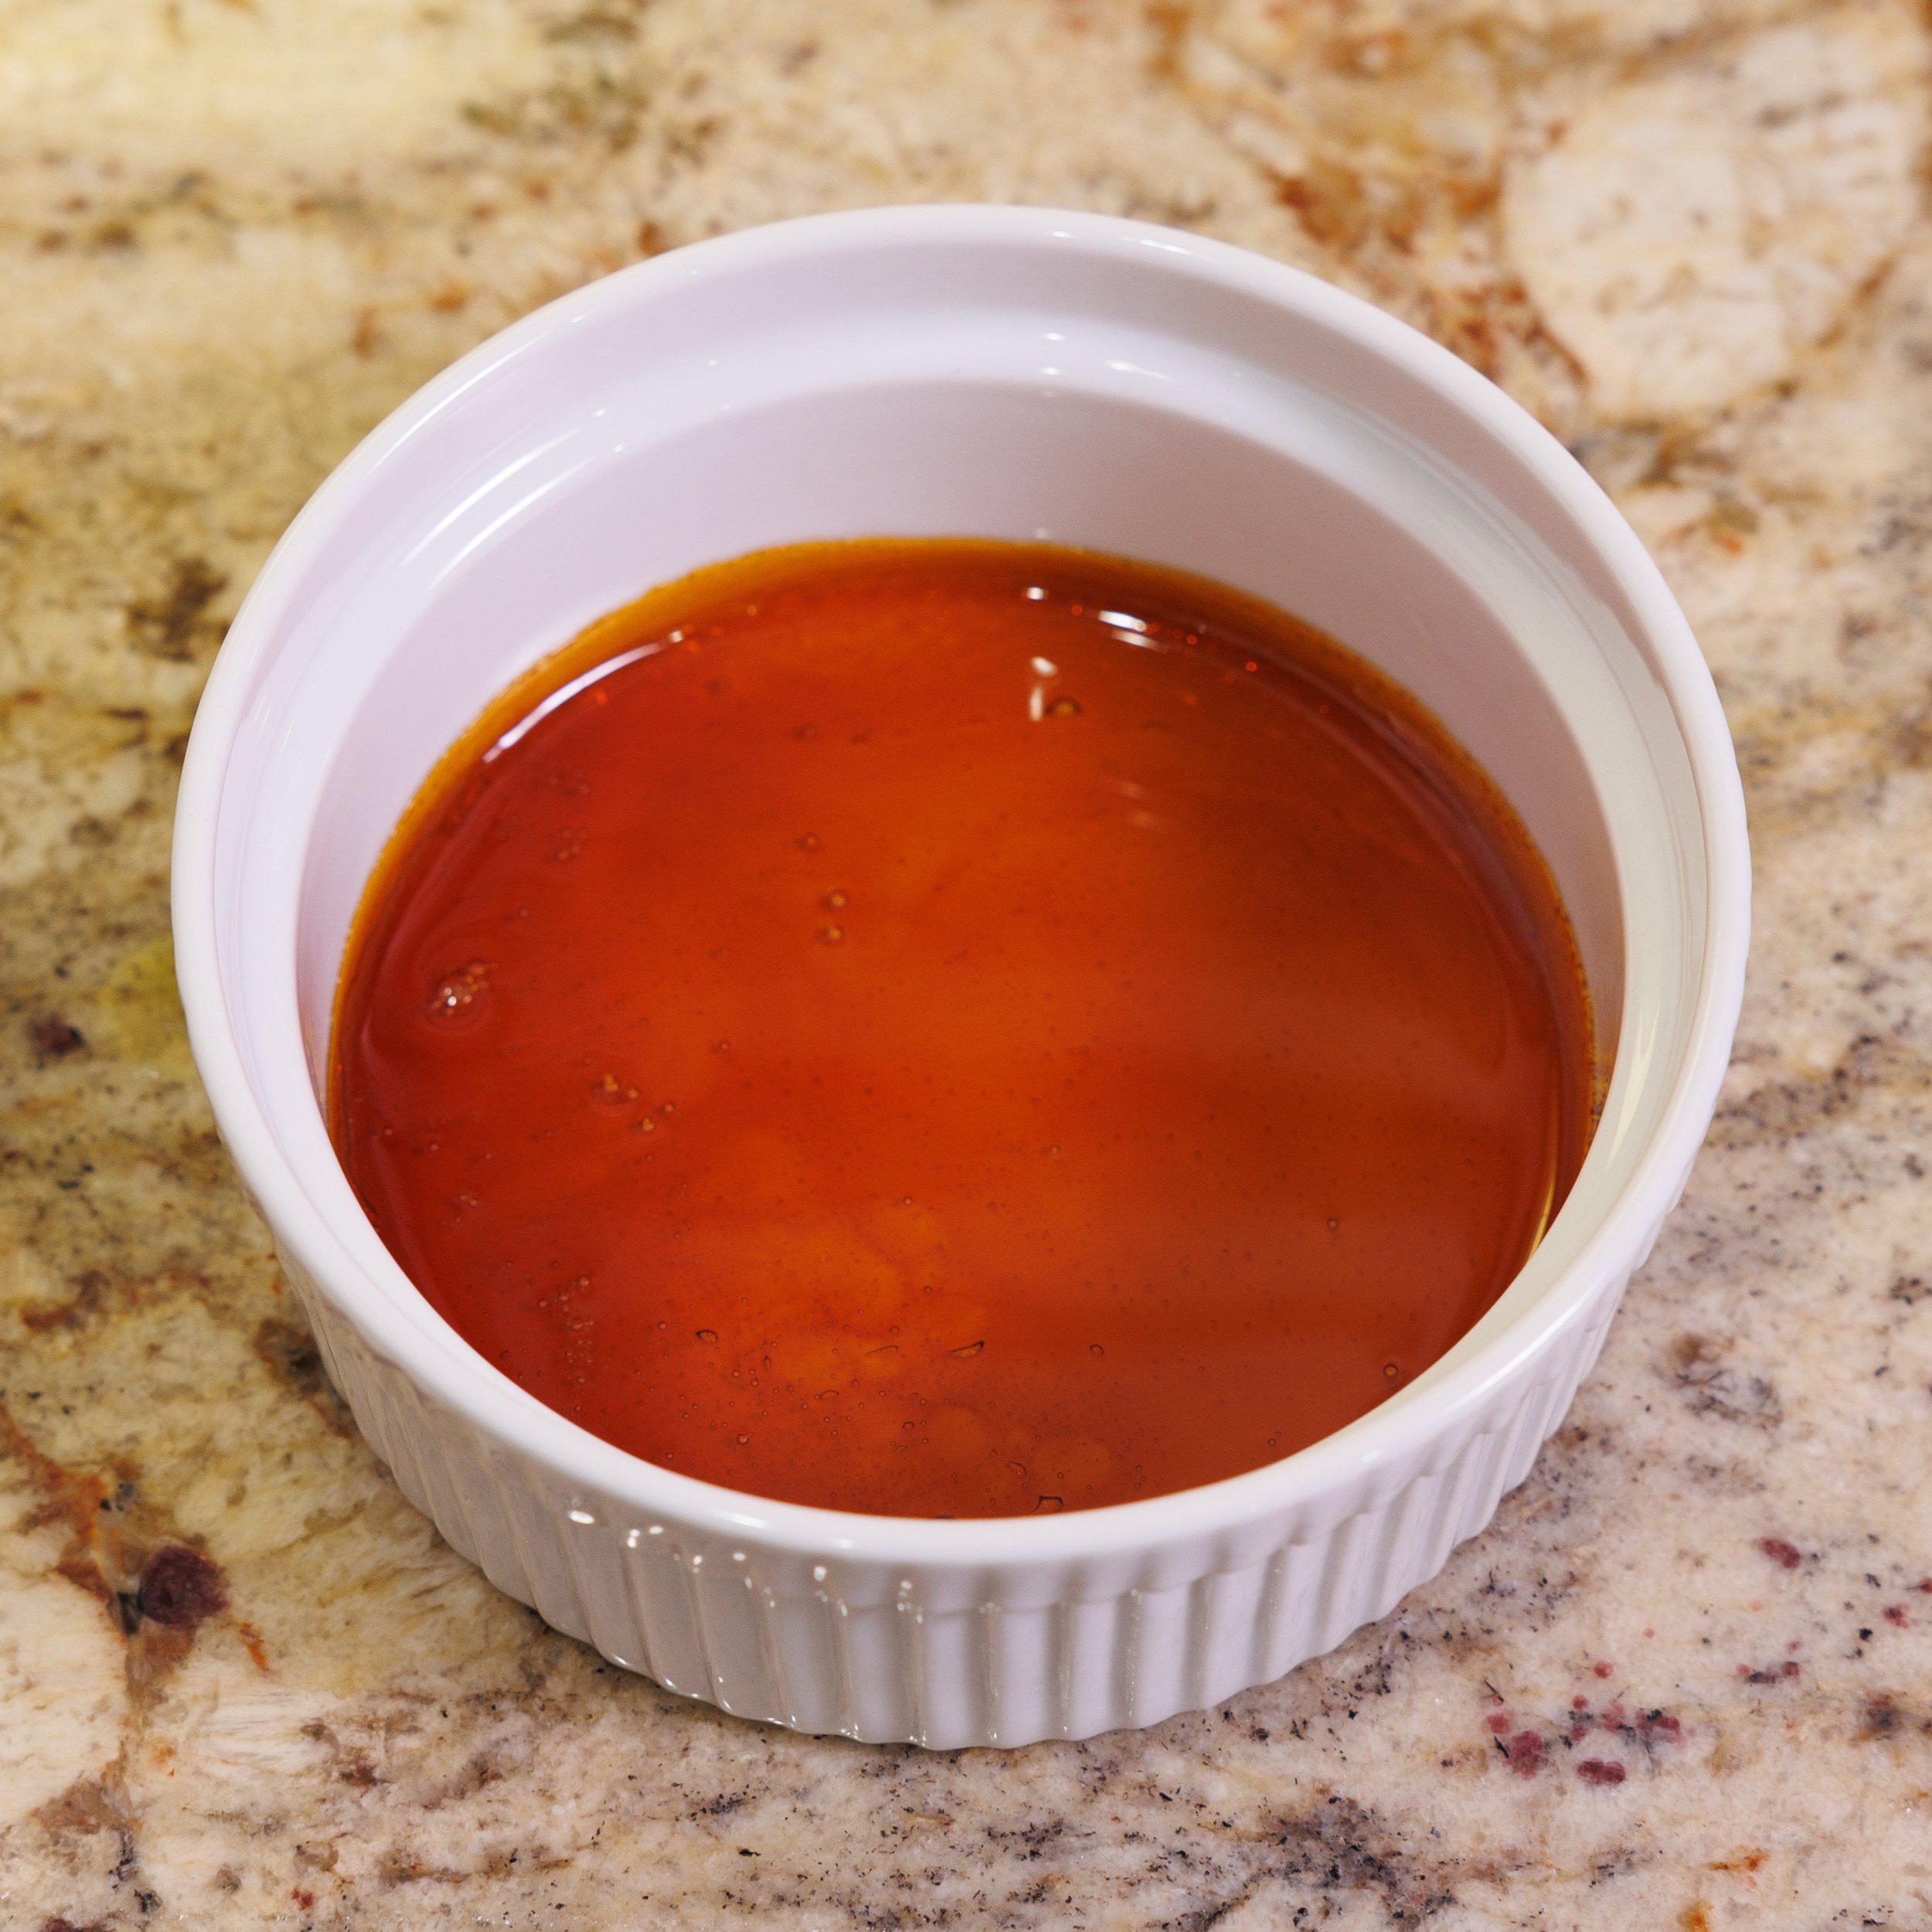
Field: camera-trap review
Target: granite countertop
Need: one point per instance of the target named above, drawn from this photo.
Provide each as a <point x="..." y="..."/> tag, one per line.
<point x="1684" y="1680"/>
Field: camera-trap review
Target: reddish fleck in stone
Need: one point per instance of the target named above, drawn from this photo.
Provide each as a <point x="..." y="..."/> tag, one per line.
<point x="1612" y="1719"/>
<point x="1524" y="1752"/>
<point x="180" y="1587"/>
<point x="1600" y="1770"/>
<point x="1498" y="1721"/>
<point x="1579" y="1728"/>
<point x="1603" y="1670"/>
<point x="305" y="1900"/>
<point x="1786" y="1555"/>
<point x="1925" y="1584"/>
<point x="1895" y="1613"/>
<point x="1788" y="1669"/>
<point x="1660" y="1724"/>
<point x="54" y="1038"/>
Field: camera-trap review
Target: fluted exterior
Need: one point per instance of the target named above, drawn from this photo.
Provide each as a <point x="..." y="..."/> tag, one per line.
<point x="946" y="1656"/>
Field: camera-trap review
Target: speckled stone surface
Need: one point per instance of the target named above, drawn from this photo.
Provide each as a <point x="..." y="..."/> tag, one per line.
<point x="1685" y="1679"/>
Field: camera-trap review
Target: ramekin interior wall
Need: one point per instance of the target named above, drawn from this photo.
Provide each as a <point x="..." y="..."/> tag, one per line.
<point x="961" y="391"/>
<point x="1013" y="372"/>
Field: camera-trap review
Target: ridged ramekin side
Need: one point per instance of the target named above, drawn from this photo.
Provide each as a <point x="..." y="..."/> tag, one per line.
<point x="1085" y="1647"/>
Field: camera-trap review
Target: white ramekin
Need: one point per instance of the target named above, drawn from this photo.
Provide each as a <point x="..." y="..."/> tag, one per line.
<point x="996" y="371"/>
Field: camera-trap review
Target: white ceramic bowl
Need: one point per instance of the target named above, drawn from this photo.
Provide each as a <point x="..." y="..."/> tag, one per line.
<point x="988" y="372"/>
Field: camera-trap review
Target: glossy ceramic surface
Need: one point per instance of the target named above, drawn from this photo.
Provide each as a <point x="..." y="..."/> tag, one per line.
<point x="989" y="371"/>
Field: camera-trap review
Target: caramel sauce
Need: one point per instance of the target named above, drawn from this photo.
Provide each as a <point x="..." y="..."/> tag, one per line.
<point x="948" y="1028"/>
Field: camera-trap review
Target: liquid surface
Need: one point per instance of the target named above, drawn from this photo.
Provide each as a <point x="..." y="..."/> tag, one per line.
<point x="960" y="1029"/>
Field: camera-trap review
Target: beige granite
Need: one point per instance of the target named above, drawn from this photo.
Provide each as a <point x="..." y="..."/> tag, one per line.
<point x="243" y="1683"/>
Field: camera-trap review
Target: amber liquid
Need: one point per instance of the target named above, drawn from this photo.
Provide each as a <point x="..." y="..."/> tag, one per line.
<point x="960" y="1029"/>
